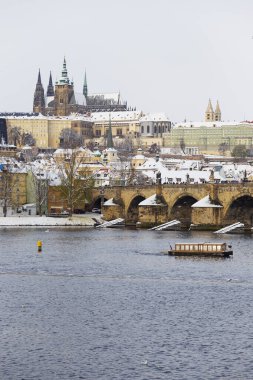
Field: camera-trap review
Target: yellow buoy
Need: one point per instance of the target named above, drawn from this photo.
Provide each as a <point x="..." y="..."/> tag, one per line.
<point x="39" y="245"/>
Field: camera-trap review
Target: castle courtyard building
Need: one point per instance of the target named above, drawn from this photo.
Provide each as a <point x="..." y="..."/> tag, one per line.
<point x="207" y="137"/>
<point x="46" y="130"/>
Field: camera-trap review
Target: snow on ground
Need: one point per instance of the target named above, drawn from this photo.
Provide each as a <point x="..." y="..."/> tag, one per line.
<point x="85" y="220"/>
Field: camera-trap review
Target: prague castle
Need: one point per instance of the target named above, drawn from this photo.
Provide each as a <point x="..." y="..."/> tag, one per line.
<point x="62" y="100"/>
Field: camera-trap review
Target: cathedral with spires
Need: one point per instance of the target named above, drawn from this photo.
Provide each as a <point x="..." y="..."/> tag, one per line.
<point x="62" y="100"/>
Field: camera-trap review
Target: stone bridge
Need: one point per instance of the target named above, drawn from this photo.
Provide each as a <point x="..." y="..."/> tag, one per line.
<point x="226" y="204"/>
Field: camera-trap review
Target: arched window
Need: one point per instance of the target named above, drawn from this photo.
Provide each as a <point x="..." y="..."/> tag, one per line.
<point x="142" y="129"/>
<point x="148" y="129"/>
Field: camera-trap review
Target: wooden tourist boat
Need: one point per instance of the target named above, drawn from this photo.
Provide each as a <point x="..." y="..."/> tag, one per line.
<point x="201" y="249"/>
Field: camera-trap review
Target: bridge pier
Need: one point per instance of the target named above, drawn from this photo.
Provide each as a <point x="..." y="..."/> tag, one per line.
<point x="206" y="218"/>
<point x="112" y="209"/>
<point x="154" y="215"/>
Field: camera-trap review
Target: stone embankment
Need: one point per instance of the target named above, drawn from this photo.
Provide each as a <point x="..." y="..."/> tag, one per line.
<point x="87" y="220"/>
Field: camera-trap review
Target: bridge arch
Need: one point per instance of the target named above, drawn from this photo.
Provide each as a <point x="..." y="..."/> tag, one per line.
<point x="240" y="209"/>
<point x="97" y="202"/>
<point x="182" y="210"/>
<point x="133" y="211"/>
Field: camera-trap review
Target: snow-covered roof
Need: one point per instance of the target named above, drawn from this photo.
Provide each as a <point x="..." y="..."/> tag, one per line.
<point x="110" y="150"/>
<point x="61" y="151"/>
<point x="205" y="203"/>
<point x="151" y="201"/>
<point x="189" y="164"/>
<point x="139" y="157"/>
<point x="72" y="116"/>
<point x="209" y="124"/>
<point x="116" y="116"/>
<point x="26" y="147"/>
<point x="154" y="117"/>
<point x="179" y="172"/>
<point x="110" y="203"/>
<point x="29" y="205"/>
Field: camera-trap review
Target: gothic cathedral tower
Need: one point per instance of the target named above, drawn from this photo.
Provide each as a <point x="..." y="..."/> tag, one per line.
<point x="39" y="98"/>
<point x="64" y="93"/>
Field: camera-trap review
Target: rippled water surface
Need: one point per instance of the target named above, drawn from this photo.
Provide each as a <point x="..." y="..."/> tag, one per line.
<point x="108" y="304"/>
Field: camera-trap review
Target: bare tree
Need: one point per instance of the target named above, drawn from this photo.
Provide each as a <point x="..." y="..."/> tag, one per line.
<point x="76" y="181"/>
<point x="182" y="144"/>
<point x="223" y="147"/>
<point x="70" y="139"/>
<point x="7" y="188"/>
<point x="28" y="139"/>
<point x="239" y="151"/>
<point x="119" y="172"/>
<point x="125" y="174"/>
<point x="135" y="177"/>
<point x="15" y="136"/>
<point x="125" y="144"/>
<point x="19" y="138"/>
<point x="154" y="148"/>
<point x="40" y="183"/>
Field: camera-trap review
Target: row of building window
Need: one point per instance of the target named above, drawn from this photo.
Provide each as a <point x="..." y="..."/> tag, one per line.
<point x="159" y="129"/>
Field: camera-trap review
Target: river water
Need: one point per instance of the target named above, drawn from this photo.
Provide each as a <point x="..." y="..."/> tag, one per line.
<point x="108" y="304"/>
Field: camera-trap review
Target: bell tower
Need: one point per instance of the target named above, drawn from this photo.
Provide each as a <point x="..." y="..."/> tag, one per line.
<point x="64" y="93"/>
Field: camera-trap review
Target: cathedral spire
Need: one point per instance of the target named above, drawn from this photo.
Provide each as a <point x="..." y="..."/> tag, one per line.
<point x="39" y="78"/>
<point x="64" y="74"/>
<point x="109" y="136"/>
<point x="209" y="106"/>
<point x="209" y="115"/>
<point x="50" y="87"/>
<point x="217" y="109"/>
<point x="39" y="99"/>
<point x="85" y="86"/>
<point x="217" y="113"/>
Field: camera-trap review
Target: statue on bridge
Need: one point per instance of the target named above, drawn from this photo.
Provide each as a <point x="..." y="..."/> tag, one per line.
<point x="158" y="178"/>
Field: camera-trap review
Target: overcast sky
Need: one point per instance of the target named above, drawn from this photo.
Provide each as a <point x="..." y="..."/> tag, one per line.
<point x="164" y="56"/>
